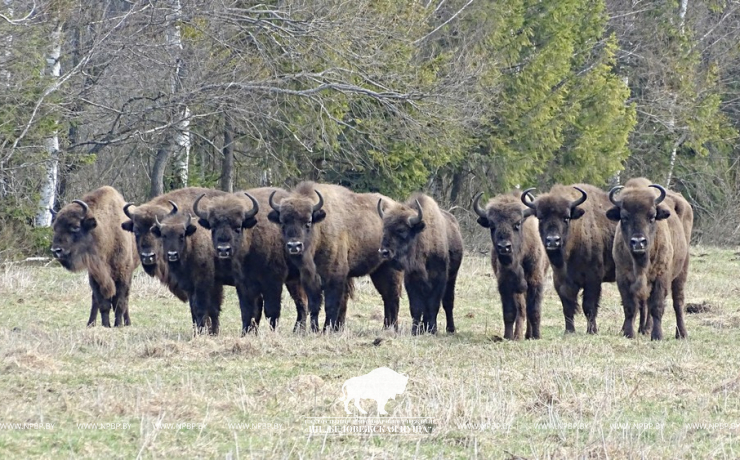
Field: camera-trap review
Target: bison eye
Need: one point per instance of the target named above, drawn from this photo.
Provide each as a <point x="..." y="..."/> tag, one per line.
<point x="566" y="220"/>
<point x="237" y="229"/>
<point x="308" y="224"/>
<point x="652" y="219"/>
<point x="182" y="237"/>
<point x="517" y="226"/>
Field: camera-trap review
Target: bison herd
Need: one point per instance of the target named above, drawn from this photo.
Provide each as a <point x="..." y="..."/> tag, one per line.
<point x="316" y="238"/>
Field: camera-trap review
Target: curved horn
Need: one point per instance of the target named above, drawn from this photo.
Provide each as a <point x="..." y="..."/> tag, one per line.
<point x="84" y="205"/>
<point x="662" y="193"/>
<point x="320" y="204"/>
<point x="174" y="207"/>
<point x="524" y="198"/>
<point x="380" y="208"/>
<point x="255" y="207"/>
<point x="195" y="207"/>
<point x="156" y="221"/>
<point x="476" y="205"/>
<point x="612" y="192"/>
<point x="419" y="216"/>
<point x="125" y="210"/>
<point x="581" y="200"/>
<point x="272" y="203"/>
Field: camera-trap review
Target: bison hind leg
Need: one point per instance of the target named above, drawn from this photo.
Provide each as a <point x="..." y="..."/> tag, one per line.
<point x="357" y="405"/>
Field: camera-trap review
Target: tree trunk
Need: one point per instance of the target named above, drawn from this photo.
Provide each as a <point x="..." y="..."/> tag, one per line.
<point x="181" y="138"/>
<point x="160" y="163"/>
<point x="49" y="187"/>
<point x="227" y="165"/>
<point x="457" y="182"/>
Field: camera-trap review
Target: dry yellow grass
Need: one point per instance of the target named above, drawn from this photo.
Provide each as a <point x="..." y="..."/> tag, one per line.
<point x="572" y="396"/>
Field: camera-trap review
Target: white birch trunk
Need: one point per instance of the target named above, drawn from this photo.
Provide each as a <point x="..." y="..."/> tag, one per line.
<point x="672" y="121"/>
<point x="5" y="74"/>
<point x="49" y="187"/>
<point x="182" y="140"/>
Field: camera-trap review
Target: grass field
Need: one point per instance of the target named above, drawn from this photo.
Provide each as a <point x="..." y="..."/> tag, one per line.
<point x="153" y="390"/>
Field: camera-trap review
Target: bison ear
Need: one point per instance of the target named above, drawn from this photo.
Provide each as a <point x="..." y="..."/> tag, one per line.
<point x="274" y="217"/>
<point x="204" y="223"/>
<point x="418" y="227"/>
<point x="663" y="213"/>
<point x="483" y="222"/>
<point x="128" y="225"/>
<point x="613" y="214"/>
<point x="190" y="230"/>
<point x="156" y="231"/>
<point x="249" y="222"/>
<point x="318" y="216"/>
<point x="576" y="213"/>
<point x="89" y="223"/>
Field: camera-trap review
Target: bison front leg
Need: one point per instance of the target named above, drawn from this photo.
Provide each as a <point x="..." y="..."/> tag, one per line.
<point x="271" y="294"/>
<point x="334" y="291"/>
<point x="301" y="303"/>
<point x="120" y="304"/>
<point x="311" y="283"/>
<point x="100" y="303"/>
<point x="388" y="282"/>
<point x="534" y="309"/>
<point x="416" y="306"/>
<point x="629" y="305"/>
<point x="656" y="301"/>
<point x="508" y="305"/>
<point x="591" y="296"/>
<point x="568" y="294"/>
<point x="433" y="304"/>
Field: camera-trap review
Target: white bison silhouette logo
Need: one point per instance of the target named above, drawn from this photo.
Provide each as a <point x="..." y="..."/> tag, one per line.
<point x="380" y="384"/>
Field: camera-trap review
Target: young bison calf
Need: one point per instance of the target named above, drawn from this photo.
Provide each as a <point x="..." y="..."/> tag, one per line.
<point x="88" y="235"/>
<point x="651" y="252"/>
<point x="425" y="242"/>
<point x="518" y="260"/>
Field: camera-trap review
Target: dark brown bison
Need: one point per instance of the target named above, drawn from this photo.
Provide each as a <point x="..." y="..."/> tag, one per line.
<point x="255" y="247"/>
<point x="331" y="235"/>
<point x="518" y="260"/>
<point x="88" y="235"/>
<point x="192" y="261"/>
<point x="425" y="242"/>
<point x="578" y="239"/>
<point x="141" y="220"/>
<point x="651" y="252"/>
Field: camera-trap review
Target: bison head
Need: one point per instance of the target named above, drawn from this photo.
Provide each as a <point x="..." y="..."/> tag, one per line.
<point x="173" y="232"/>
<point x="505" y="218"/>
<point x="554" y="212"/>
<point x="401" y="226"/>
<point x="227" y="218"/>
<point x="72" y="234"/>
<point x="637" y="210"/>
<point x="141" y="220"/>
<point x="296" y="215"/>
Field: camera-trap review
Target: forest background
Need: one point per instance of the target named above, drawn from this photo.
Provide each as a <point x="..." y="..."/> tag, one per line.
<point x="447" y="96"/>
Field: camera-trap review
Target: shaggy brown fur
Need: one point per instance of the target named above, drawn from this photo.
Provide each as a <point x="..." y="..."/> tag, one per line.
<point x="425" y="242"/>
<point x="331" y="243"/>
<point x="241" y="233"/>
<point x="192" y="261"/>
<point x="141" y="220"/>
<point x="518" y="260"/>
<point x="92" y="239"/>
<point x="651" y="252"/>
<point x="578" y="240"/>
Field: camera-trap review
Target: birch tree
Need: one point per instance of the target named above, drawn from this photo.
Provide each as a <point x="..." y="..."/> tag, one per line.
<point x="49" y="185"/>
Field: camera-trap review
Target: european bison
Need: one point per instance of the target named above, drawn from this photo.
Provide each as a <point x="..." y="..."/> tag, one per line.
<point x="651" y="252"/>
<point x="518" y="260"/>
<point x="578" y="239"/>
<point x="142" y="219"/>
<point x="331" y="235"/>
<point x="425" y="242"/>
<point x="88" y="235"/>
<point x="192" y="261"/>
<point x="255" y="248"/>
